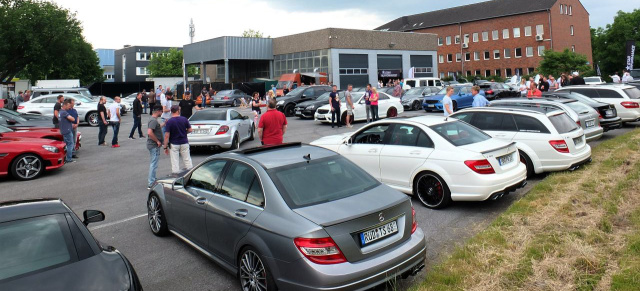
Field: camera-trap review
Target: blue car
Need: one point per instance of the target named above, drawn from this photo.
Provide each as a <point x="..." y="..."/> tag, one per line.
<point x="462" y="98"/>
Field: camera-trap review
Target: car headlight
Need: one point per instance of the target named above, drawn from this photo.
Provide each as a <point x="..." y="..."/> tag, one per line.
<point x="50" y="148"/>
<point x="280" y="102"/>
<point x="310" y="107"/>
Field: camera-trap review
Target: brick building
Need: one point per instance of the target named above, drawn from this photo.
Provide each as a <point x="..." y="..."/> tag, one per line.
<point x="501" y="37"/>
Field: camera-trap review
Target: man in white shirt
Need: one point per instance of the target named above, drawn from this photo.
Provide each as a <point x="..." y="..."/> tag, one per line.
<point x="447" y="104"/>
<point x="114" y="119"/>
<point x="626" y="77"/>
<point x="615" y="78"/>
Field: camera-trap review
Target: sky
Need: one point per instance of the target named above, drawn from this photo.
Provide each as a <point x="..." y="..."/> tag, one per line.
<point x="115" y="23"/>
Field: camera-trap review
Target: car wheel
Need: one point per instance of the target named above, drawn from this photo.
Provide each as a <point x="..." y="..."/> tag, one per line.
<point x="417" y="106"/>
<point x="235" y="144"/>
<point x="157" y="220"/>
<point x="455" y="106"/>
<point x="254" y="275"/>
<point x="392" y="112"/>
<point x="527" y="162"/>
<point x="432" y="191"/>
<point x="289" y="111"/>
<point x="92" y="118"/>
<point x="27" y="167"/>
<point x="343" y="118"/>
<point x="236" y="103"/>
<point x="253" y="130"/>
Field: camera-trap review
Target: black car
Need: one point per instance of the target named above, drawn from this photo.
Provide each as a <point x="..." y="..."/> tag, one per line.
<point x="493" y="90"/>
<point x="308" y="108"/>
<point x="14" y="119"/>
<point x="609" y="118"/>
<point x="287" y="103"/>
<point x="45" y="246"/>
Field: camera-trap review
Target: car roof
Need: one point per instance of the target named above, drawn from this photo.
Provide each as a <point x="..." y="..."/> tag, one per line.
<point x="514" y="109"/>
<point x="606" y="86"/>
<point x="61" y="88"/>
<point x="20" y="209"/>
<point x="427" y="120"/>
<point x="542" y="100"/>
<point x="270" y="157"/>
<point x="63" y="94"/>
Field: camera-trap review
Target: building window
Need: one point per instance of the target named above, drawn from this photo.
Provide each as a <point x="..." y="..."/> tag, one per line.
<point x="362" y="71"/>
<point x="143" y="56"/>
<point x="467" y="56"/>
<point x="487" y="73"/>
<point x="440" y="41"/>
<point x="468" y="73"/>
<point x="539" y="29"/>
<point x="477" y="72"/>
<point x="476" y="56"/>
<point x="496" y="54"/>
<point x="541" y="50"/>
<point x="441" y="59"/>
<point x="498" y="72"/>
<point x="487" y="55"/>
<point x="561" y="9"/>
<point x="494" y="35"/>
<point x="416" y="70"/>
<point x="516" y="32"/>
<point x="458" y="57"/>
<point x="571" y="29"/>
<point x="441" y="75"/>
<point x="507" y="73"/>
<point x="485" y="36"/>
<point x="527" y="31"/>
<point x="142" y="71"/>
<point x="448" y="40"/>
<point x="457" y="39"/>
<point x="519" y="71"/>
<point x="573" y="48"/>
<point x="505" y="33"/>
<point x="475" y="37"/>
<point x="108" y="76"/>
<point x="507" y="53"/>
<point x="449" y="58"/>
<point x="465" y="38"/>
<point x="570" y="10"/>
<point x="531" y="70"/>
<point x="529" y="51"/>
<point x="518" y="52"/>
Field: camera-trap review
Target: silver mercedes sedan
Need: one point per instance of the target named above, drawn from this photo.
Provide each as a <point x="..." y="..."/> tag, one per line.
<point x="291" y="217"/>
<point x="220" y="128"/>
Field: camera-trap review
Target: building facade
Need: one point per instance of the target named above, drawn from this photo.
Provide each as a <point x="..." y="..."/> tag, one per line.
<point x="130" y="62"/>
<point x="501" y="37"/>
<point x="106" y="57"/>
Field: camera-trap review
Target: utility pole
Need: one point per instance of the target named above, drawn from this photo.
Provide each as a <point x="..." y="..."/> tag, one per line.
<point x="192" y="33"/>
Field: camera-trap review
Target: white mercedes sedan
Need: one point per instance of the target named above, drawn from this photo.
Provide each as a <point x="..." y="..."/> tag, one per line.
<point x="437" y="160"/>
<point x="388" y="106"/>
<point x="220" y="128"/>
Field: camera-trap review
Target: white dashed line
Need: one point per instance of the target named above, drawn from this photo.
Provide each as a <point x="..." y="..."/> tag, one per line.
<point x="117" y="222"/>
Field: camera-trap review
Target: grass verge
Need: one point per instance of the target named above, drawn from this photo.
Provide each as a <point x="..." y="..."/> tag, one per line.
<point x="574" y="230"/>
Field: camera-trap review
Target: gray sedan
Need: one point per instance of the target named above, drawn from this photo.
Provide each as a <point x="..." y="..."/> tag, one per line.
<point x="229" y="97"/>
<point x="220" y="128"/>
<point x="291" y="217"/>
<point x="412" y="99"/>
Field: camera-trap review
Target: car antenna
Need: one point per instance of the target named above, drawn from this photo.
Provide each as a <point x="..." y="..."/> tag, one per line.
<point x="307" y="157"/>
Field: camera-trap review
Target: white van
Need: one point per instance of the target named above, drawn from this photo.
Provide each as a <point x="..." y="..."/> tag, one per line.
<point x="47" y="91"/>
<point x="422" y="82"/>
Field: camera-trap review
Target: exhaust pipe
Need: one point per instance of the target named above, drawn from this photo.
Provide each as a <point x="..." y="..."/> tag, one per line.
<point x="417" y="269"/>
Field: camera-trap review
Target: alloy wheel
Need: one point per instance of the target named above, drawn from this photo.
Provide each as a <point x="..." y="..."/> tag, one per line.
<point x="93" y="119"/>
<point x="155" y="214"/>
<point x="253" y="275"/>
<point x="430" y="190"/>
<point x="393" y="112"/>
<point x="28" y="167"/>
<point x="417" y="106"/>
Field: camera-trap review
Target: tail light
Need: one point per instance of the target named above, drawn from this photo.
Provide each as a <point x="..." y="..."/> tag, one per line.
<point x="414" y="223"/>
<point x="322" y="251"/>
<point x="578" y="123"/>
<point x="560" y="146"/>
<point x="600" y="116"/>
<point x="20" y="107"/>
<point x="226" y="98"/>
<point x="222" y="130"/>
<point x="489" y="92"/>
<point x="480" y="166"/>
<point x="629" y="104"/>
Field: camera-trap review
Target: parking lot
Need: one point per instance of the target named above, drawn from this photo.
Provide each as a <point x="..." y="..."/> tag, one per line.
<point x="114" y="180"/>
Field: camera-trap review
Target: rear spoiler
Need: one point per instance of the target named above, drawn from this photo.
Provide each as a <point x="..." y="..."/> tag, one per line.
<point x="498" y="148"/>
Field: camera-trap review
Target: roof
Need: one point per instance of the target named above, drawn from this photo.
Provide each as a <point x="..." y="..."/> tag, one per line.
<point x="20" y="209"/>
<point x="428" y="120"/>
<point x="285" y="154"/>
<point x="543" y="100"/>
<point x="467" y="13"/>
<point x="507" y="108"/>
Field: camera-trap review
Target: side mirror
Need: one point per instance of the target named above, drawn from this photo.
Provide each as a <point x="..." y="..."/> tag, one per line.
<point x="348" y="142"/>
<point x="304" y="96"/>
<point x="178" y="184"/>
<point x="91" y="216"/>
<point x="361" y="102"/>
<point x="11" y="122"/>
<point x="79" y="103"/>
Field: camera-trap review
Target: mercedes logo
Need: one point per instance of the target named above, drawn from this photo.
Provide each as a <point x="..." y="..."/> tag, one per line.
<point x="381" y="217"/>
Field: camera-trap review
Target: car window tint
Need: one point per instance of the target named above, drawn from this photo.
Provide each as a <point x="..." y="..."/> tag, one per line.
<point x="34" y="244"/>
<point x="383" y="97"/>
<point x="508" y="124"/>
<point x="372" y="135"/>
<point x="209" y="115"/>
<point x="309" y="92"/>
<point x="206" y="176"/>
<point x="459" y="133"/>
<point x="51" y="100"/>
<point x="487" y="121"/>
<point x="529" y="124"/>
<point x="424" y="140"/>
<point x="465" y="116"/>
<point x="587" y="92"/>
<point x="633" y="93"/>
<point x="404" y="135"/>
<point x="234" y="115"/>
<point x="256" y="197"/>
<point x="563" y="123"/>
<point x="606" y="93"/>
<point x="411" y="83"/>
<point x="237" y="181"/>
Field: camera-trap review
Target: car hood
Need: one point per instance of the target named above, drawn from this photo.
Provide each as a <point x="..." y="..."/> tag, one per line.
<point x="411" y="97"/>
<point x="312" y="102"/>
<point x="28" y="141"/>
<point x="332" y="139"/>
<point x="35" y="117"/>
<point x="435" y="97"/>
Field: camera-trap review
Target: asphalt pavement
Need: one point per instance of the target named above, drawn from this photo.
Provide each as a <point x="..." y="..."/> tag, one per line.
<point x="114" y="180"/>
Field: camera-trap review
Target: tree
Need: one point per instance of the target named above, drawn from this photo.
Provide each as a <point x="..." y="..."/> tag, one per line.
<point x="253" y="33"/>
<point x="42" y="40"/>
<point x="556" y="63"/>
<point x="168" y="64"/>
<point x="609" y="44"/>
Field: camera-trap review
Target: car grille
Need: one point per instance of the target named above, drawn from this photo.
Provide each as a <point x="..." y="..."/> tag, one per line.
<point x="323" y="111"/>
<point x="431" y="101"/>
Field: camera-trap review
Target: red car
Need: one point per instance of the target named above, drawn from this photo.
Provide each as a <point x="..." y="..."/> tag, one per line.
<point x="27" y="158"/>
<point x="37" y="132"/>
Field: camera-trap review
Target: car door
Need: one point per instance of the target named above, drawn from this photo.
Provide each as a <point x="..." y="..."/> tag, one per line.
<point x="408" y="148"/>
<point x="365" y="147"/>
<point x="232" y="210"/>
<point x="45" y="107"/>
<point x="497" y="125"/>
<point x="188" y="201"/>
<point x="465" y="97"/>
<point x="359" y="108"/>
<point x="384" y="102"/>
<point x="241" y="127"/>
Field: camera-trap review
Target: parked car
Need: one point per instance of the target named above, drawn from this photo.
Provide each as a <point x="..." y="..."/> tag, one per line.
<point x="594" y="80"/>
<point x="389" y="91"/>
<point x="461" y="98"/>
<point x="547" y="140"/>
<point x="387" y="107"/>
<point x="37" y="92"/>
<point x="422" y="82"/>
<point x="123" y="107"/>
<point x="437" y="160"/>
<point x="46" y="246"/>
<point x="220" y="128"/>
<point x="608" y="115"/>
<point x="36" y="132"/>
<point x="228" y="97"/>
<point x="27" y="158"/>
<point x="287" y="103"/>
<point x="493" y="90"/>
<point x="13" y="119"/>
<point x="583" y="115"/>
<point x="43" y="105"/>
<point x="412" y="99"/>
<point x="625" y="98"/>
<point x="307" y="109"/>
<point x="291" y="217"/>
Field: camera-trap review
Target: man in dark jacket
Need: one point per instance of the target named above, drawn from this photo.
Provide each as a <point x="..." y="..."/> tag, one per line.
<point x="137" y="117"/>
<point x="576" y="80"/>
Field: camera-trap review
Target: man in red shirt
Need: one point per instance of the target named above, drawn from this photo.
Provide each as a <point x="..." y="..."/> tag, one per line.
<point x="272" y="125"/>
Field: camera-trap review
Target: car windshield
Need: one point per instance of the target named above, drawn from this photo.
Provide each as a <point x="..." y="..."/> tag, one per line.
<point x="82" y="98"/>
<point x="444" y="91"/>
<point x="582" y="98"/>
<point x="563" y="123"/>
<point x="296" y="91"/>
<point x="459" y="133"/>
<point x="85" y="93"/>
<point x="224" y="92"/>
<point x="282" y="84"/>
<point x="205" y="115"/>
<point x="415" y="91"/>
<point x="592" y="79"/>
<point x="4" y="129"/>
<point x="578" y="107"/>
<point x="320" y="181"/>
<point x="324" y="97"/>
<point x="633" y="93"/>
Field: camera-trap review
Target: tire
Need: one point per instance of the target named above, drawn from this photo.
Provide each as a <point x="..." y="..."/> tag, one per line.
<point x="236" y="103"/>
<point x="527" y="162"/>
<point x="289" y="111"/>
<point x="392" y="112"/>
<point x="417" y="106"/>
<point x="27" y="167"/>
<point x="155" y="216"/>
<point x="431" y="190"/>
<point x="253" y="273"/>
<point x="253" y="130"/>
<point x="343" y="119"/>
<point x="92" y="118"/>
<point x="455" y="106"/>
<point x="235" y="144"/>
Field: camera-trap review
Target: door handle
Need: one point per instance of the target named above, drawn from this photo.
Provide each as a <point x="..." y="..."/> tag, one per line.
<point x="241" y="212"/>
<point x="201" y="200"/>
<point x="373" y="151"/>
<point x="415" y="152"/>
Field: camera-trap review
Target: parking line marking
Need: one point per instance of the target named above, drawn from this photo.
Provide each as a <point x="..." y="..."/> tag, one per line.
<point x="117" y="222"/>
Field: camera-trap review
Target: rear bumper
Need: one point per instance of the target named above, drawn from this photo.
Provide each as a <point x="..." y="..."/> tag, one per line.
<point x="476" y="187"/>
<point x="577" y="165"/>
<point x="222" y="140"/>
<point x="592" y="134"/>
<point x="629" y="115"/>
<point x="611" y="123"/>
<point x="305" y="275"/>
<point x="561" y="162"/>
<point x="221" y="102"/>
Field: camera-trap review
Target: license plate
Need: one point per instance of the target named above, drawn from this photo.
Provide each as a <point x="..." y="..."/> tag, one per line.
<point x="377" y="233"/>
<point x="591" y="123"/>
<point x="577" y="140"/>
<point x="298" y="112"/>
<point x="431" y="105"/>
<point x="608" y="112"/>
<point x="505" y="159"/>
<point x="320" y="116"/>
<point x="200" y="131"/>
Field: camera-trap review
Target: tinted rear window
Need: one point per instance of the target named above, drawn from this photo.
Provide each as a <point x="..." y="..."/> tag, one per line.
<point x="459" y="133"/>
<point x="209" y="115"/>
<point x="579" y="107"/>
<point x="224" y="92"/>
<point x="633" y="93"/>
<point x="563" y="123"/>
<point x="320" y="181"/>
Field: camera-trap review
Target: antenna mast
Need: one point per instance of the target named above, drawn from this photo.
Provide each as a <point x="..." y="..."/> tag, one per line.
<point x="192" y="30"/>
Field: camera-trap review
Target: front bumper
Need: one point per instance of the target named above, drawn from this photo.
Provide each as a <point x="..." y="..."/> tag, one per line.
<point x="53" y="161"/>
<point x="305" y="113"/>
<point x="302" y="274"/>
<point x="477" y="187"/>
<point x="222" y="140"/>
<point x="432" y="106"/>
